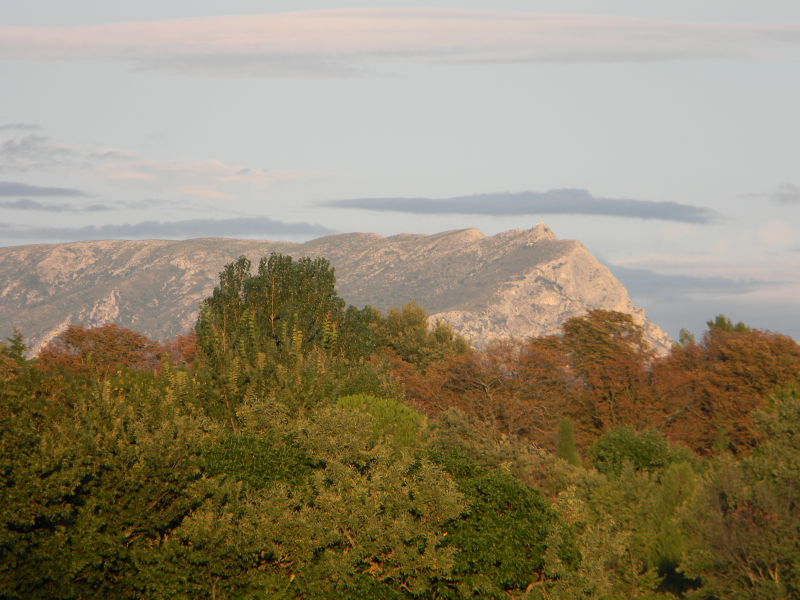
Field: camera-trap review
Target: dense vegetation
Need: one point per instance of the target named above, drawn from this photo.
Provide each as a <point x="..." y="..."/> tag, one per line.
<point x="294" y="447"/>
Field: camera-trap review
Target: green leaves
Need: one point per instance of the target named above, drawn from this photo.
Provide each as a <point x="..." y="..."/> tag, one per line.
<point x="503" y="538"/>
<point x="99" y="488"/>
<point x="391" y="417"/>
<point x="645" y="450"/>
<point x="745" y="518"/>
<point x="566" y="444"/>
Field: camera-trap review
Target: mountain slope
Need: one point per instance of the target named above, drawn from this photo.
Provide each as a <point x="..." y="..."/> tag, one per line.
<point x="517" y="283"/>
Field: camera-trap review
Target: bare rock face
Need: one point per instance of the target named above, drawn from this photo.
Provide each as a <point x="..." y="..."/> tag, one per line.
<point x="565" y="284"/>
<point x="515" y="284"/>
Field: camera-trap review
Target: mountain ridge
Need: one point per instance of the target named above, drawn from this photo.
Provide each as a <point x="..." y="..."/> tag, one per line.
<point x="517" y="283"/>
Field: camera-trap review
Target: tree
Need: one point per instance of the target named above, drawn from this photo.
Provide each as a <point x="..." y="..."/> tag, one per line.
<point x="12" y="355"/>
<point x="288" y="308"/>
<point x="98" y="503"/>
<point x="503" y="539"/>
<point x="518" y="388"/>
<point x="285" y="332"/>
<point x="610" y="357"/>
<point x="646" y="450"/>
<point x="566" y="443"/>
<point x="98" y="350"/>
<point x="405" y="331"/>
<point x="723" y="323"/>
<point x="745" y="520"/>
<point x="706" y="392"/>
<point x="182" y="351"/>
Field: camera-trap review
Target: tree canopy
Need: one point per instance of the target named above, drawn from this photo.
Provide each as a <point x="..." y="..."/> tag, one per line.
<point x="293" y="447"/>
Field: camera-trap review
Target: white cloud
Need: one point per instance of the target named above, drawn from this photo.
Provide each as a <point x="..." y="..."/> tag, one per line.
<point x="777" y="234"/>
<point x="340" y="42"/>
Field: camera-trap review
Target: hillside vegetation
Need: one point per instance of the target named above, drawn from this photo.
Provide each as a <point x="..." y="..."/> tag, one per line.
<point x="291" y="446"/>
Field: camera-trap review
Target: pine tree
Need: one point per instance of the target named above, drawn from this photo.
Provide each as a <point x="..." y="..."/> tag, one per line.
<point x="566" y="443"/>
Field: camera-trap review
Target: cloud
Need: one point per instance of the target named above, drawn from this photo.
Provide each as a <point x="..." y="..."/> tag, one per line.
<point x="553" y="202"/>
<point x="777" y="233"/>
<point x="11" y="189"/>
<point x="335" y="43"/>
<point x="110" y="155"/>
<point x="28" y="204"/>
<point x="148" y="203"/>
<point x="786" y="194"/>
<point x="192" y="228"/>
<point x="644" y="283"/>
<point x="199" y="178"/>
<point x="19" y="126"/>
<point x="32" y="152"/>
<point x="683" y="301"/>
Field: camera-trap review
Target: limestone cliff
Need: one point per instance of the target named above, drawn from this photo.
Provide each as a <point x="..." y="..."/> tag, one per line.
<point x="517" y="283"/>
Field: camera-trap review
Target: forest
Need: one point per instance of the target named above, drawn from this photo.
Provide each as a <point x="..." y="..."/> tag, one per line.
<point x="294" y="447"/>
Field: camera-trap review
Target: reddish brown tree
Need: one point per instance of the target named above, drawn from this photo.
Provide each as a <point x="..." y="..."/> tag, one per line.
<point x="519" y="388"/>
<point x="706" y="392"/>
<point x="182" y="350"/>
<point x="99" y="350"/>
<point x="610" y="358"/>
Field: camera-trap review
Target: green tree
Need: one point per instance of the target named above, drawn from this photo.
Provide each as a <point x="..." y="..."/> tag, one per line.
<point x="288" y="308"/>
<point x="405" y="331"/>
<point x="351" y="513"/>
<point x="285" y="332"/>
<point x="14" y="347"/>
<point x="646" y="450"/>
<point x="96" y="504"/>
<point x="723" y="323"/>
<point x="566" y="443"/>
<point x="391" y="417"/>
<point x="503" y="539"/>
<point x="745" y="522"/>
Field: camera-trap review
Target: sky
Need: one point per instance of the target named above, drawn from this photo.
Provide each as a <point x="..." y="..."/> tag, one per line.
<point x="663" y="134"/>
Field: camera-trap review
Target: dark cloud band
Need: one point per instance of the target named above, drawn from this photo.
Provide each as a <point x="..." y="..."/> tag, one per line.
<point x="169" y="230"/>
<point x="644" y="283"/>
<point x="19" y="127"/>
<point x="28" y="204"/>
<point x="11" y="188"/>
<point x="553" y="202"/>
<point x="786" y="194"/>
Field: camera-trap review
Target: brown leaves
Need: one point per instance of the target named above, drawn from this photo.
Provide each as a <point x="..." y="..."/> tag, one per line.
<point x="519" y="388"/>
<point x="601" y="374"/>
<point x="707" y="391"/>
<point x="98" y="350"/>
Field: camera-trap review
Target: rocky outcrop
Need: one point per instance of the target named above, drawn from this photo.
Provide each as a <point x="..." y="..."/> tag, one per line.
<point x="548" y="293"/>
<point x="515" y="284"/>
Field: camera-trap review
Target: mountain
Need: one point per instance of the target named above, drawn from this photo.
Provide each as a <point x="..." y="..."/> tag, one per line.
<point x="518" y="283"/>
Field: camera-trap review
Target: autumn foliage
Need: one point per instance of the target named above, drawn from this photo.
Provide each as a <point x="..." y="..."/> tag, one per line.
<point x="601" y="374"/>
<point x="706" y="392"/>
<point x="286" y="455"/>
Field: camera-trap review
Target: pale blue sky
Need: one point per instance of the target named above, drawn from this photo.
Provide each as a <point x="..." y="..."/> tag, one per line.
<point x="694" y="104"/>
